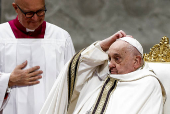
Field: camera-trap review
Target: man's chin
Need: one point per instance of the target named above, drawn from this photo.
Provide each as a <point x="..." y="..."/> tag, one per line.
<point x="33" y="27"/>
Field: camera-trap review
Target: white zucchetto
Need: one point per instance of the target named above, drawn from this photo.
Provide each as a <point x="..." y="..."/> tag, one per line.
<point x="134" y="43"/>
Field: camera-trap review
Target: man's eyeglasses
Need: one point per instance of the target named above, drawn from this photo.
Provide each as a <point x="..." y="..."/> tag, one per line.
<point x="30" y="14"/>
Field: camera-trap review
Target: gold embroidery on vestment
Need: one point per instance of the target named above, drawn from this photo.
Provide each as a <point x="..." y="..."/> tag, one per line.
<point x="104" y="100"/>
<point x="73" y="67"/>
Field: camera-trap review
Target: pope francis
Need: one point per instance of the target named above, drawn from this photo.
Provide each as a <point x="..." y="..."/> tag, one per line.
<point x="108" y="77"/>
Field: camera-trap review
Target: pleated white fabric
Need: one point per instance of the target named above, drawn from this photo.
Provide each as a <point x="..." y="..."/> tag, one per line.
<point x="50" y="53"/>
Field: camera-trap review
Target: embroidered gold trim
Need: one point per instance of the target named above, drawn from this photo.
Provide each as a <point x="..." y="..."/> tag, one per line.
<point x="72" y="74"/>
<point x="104" y="96"/>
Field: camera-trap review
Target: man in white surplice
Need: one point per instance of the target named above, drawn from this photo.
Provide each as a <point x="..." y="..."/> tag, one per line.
<point x="127" y="86"/>
<point x="42" y="47"/>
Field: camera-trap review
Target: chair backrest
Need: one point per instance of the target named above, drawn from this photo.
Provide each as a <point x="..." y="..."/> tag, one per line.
<point x="159" y="60"/>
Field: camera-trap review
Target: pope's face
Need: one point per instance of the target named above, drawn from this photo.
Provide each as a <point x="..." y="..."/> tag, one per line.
<point x="29" y="6"/>
<point x="121" y="61"/>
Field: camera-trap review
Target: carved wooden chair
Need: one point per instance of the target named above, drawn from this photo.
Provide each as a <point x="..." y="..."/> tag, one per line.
<point x="159" y="60"/>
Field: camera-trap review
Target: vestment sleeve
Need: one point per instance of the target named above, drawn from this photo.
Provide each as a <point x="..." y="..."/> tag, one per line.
<point x="69" y="49"/>
<point x="57" y="100"/>
<point x="91" y="58"/>
<point x="4" y="78"/>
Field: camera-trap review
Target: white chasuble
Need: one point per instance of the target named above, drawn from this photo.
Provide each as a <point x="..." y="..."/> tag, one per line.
<point x="50" y="53"/>
<point x="96" y="92"/>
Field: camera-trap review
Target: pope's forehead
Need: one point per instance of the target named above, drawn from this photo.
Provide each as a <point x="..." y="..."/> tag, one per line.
<point x="118" y="47"/>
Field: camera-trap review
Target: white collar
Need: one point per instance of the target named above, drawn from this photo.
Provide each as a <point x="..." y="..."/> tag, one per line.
<point x="29" y="30"/>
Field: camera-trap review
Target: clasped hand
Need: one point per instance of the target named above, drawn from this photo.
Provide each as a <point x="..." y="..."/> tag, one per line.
<point x="106" y="43"/>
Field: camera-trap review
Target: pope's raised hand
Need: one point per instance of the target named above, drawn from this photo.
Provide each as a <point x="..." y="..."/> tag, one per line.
<point x="20" y="77"/>
<point x="106" y="43"/>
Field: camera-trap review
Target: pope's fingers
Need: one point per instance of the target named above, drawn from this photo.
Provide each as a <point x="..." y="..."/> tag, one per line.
<point x="120" y="34"/>
<point x="129" y="36"/>
<point x="123" y="33"/>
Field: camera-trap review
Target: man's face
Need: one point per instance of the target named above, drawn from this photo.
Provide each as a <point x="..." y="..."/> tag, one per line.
<point x="121" y="61"/>
<point x="28" y="6"/>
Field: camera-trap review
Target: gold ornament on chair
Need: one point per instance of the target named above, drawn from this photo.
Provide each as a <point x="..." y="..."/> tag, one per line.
<point x="159" y="52"/>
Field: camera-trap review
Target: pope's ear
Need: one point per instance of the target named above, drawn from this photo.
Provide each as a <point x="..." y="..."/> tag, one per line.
<point x="137" y="63"/>
<point x="15" y="7"/>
